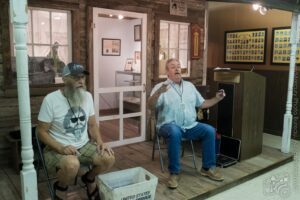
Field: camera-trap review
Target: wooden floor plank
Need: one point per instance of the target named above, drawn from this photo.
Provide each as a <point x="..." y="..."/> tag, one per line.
<point x="7" y="189"/>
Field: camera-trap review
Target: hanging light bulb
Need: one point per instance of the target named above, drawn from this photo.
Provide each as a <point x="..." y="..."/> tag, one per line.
<point x="263" y="10"/>
<point x="256" y="6"/>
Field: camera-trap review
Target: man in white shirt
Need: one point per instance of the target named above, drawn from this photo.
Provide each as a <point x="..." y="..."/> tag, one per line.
<point x="68" y="128"/>
<point x="174" y="102"/>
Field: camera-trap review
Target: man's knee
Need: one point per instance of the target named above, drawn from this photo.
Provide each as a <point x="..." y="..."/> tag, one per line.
<point x="70" y="164"/>
<point x="211" y="131"/>
<point x="106" y="161"/>
<point x="171" y="130"/>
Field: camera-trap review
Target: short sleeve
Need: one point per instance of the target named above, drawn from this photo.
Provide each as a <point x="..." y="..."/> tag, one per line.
<point x="199" y="99"/>
<point x="46" y="111"/>
<point x="90" y="104"/>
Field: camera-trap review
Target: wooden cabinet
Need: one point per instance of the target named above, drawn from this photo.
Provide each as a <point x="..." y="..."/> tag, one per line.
<point x="241" y="113"/>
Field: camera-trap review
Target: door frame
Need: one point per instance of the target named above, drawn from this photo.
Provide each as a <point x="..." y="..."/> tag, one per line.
<point x="142" y="88"/>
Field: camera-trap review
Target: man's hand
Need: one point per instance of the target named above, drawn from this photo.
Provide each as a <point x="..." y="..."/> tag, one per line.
<point x="220" y="94"/>
<point x="163" y="88"/>
<point x="68" y="150"/>
<point x="101" y="148"/>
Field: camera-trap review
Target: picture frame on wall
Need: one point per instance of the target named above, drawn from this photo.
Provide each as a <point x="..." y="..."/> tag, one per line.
<point x="137" y="32"/>
<point x="196" y="34"/>
<point x="245" y="46"/>
<point x="111" y="47"/>
<point x="281" y="47"/>
<point x="128" y="64"/>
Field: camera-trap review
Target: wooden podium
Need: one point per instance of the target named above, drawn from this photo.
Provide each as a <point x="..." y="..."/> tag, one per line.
<point x="241" y="113"/>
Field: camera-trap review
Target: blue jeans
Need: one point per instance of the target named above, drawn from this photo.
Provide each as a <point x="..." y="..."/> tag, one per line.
<point x="174" y="133"/>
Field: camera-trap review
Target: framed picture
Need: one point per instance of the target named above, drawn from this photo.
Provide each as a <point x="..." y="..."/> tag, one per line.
<point x="111" y="47"/>
<point x="137" y="56"/>
<point x="281" y="47"/>
<point x="245" y="46"/>
<point x="196" y="35"/>
<point x="178" y="7"/>
<point x="137" y="32"/>
<point x="128" y="64"/>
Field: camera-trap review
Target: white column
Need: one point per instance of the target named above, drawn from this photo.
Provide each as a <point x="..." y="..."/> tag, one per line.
<point x="18" y="15"/>
<point x="288" y="117"/>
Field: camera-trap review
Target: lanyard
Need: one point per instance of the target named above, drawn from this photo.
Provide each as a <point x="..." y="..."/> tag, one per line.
<point x="178" y="92"/>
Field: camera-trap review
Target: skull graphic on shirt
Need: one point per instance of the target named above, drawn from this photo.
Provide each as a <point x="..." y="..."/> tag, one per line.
<point x="75" y="122"/>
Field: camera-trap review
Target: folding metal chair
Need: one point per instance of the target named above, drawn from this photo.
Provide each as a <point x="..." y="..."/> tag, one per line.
<point x="156" y="142"/>
<point x="41" y="163"/>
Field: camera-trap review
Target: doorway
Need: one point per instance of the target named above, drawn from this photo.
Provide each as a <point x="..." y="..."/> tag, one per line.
<point x="120" y="75"/>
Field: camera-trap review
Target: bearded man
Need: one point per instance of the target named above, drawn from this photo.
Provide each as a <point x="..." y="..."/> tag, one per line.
<point x="68" y="128"/>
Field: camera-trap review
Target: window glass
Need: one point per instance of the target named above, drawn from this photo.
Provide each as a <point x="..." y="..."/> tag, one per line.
<point x="174" y="43"/>
<point x="41" y="27"/>
<point x="48" y="45"/>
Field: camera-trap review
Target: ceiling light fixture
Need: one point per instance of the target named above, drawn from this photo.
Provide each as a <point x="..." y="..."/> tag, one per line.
<point x="263" y="10"/>
<point x="120" y="16"/>
<point x="110" y="15"/>
<point x="256" y="6"/>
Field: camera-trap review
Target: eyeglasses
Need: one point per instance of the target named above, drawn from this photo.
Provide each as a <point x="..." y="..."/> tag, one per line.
<point x="75" y="119"/>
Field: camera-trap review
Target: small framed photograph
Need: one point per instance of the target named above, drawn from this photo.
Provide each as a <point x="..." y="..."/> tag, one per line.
<point x="128" y="64"/>
<point x="111" y="47"/>
<point x="137" y="32"/>
<point x="137" y="56"/>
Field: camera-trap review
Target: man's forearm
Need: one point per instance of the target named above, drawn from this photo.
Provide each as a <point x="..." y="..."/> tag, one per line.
<point x="152" y="100"/>
<point x="210" y="102"/>
<point x="49" y="141"/>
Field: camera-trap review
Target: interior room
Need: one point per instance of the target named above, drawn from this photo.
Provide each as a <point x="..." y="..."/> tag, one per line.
<point x="249" y="49"/>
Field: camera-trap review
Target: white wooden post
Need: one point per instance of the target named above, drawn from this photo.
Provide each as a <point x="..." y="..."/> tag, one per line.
<point x="18" y="15"/>
<point x="288" y="117"/>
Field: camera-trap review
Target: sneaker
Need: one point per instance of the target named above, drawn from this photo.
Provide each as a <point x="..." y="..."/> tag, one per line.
<point x="212" y="173"/>
<point x="173" y="181"/>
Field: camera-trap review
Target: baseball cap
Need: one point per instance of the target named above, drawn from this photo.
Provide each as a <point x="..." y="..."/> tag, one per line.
<point x="74" y="69"/>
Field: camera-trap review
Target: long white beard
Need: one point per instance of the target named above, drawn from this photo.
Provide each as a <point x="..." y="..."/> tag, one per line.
<point x="76" y="96"/>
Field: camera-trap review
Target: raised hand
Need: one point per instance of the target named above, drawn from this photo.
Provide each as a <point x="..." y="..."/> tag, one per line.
<point x="220" y="94"/>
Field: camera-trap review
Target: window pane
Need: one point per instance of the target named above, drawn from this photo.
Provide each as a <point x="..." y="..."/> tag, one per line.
<point x="173" y="35"/>
<point x="173" y="53"/>
<point x="183" y="36"/>
<point x="163" y="37"/>
<point x="63" y="54"/>
<point x="29" y="29"/>
<point x="41" y="51"/>
<point x="29" y="50"/>
<point x="183" y="55"/>
<point x="59" y="28"/>
<point x="41" y="27"/>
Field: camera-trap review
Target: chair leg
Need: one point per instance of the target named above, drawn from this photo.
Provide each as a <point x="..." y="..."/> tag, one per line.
<point x="52" y="195"/>
<point x="193" y="152"/>
<point x="153" y="148"/>
<point x="160" y="155"/>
